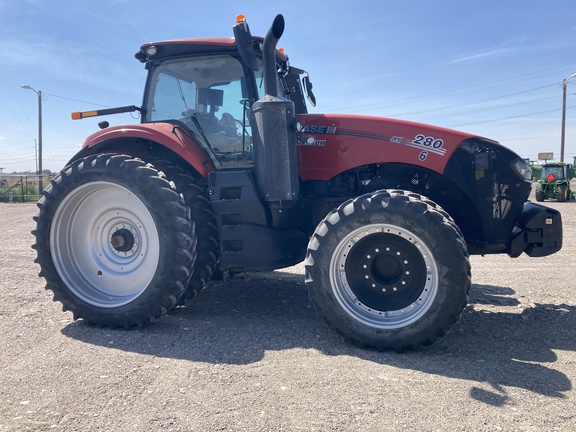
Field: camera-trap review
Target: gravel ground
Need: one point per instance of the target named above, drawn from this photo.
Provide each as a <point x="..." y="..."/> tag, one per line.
<point x="256" y="357"/>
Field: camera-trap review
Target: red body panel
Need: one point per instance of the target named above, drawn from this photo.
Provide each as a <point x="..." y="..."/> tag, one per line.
<point x="164" y="133"/>
<point x="331" y="144"/>
<point x="342" y="142"/>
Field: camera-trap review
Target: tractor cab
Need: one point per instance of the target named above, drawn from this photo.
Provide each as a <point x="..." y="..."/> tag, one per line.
<point x="557" y="171"/>
<point x="552" y="173"/>
<point x="208" y="87"/>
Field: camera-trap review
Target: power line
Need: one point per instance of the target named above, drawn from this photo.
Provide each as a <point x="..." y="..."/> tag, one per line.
<point x="76" y="100"/>
<point x="509" y="118"/>
<point x="468" y="103"/>
<point x="8" y="107"/>
<point x="457" y="91"/>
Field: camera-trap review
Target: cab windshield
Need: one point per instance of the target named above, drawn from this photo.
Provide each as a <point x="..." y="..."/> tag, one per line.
<point x="207" y="94"/>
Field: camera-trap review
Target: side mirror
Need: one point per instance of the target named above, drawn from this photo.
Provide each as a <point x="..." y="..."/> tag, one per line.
<point x="308" y="87"/>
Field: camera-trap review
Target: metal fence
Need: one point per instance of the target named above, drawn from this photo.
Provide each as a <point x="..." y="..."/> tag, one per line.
<point x="15" y="188"/>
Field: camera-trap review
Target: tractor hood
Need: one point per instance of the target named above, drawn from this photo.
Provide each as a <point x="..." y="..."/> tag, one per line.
<point x="333" y="143"/>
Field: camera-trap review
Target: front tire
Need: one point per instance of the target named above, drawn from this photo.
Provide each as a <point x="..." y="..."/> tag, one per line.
<point x="114" y="241"/>
<point x="388" y="270"/>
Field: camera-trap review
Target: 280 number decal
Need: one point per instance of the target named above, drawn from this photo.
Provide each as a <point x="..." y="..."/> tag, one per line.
<point x="428" y="141"/>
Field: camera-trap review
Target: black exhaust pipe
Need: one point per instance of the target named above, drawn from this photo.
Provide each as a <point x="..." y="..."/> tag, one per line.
<point x="269" y="55"/>
<point x="273" y="137"/>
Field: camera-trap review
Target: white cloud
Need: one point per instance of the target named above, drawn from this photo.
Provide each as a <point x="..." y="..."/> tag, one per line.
<point x="506" y="47"/>
<point x="480" y="55"/>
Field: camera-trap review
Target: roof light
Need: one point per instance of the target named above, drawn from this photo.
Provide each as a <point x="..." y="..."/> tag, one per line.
<point x="151" y="51"/>
<point x="282" y="51"/>
<point x="240" y="18"/>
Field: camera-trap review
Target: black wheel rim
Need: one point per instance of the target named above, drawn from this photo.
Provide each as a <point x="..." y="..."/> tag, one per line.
<point x="359" y="289"/>
<point x="386" y="272"/>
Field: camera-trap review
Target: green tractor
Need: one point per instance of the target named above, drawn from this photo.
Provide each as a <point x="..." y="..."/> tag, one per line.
<point x="554" y="182"/>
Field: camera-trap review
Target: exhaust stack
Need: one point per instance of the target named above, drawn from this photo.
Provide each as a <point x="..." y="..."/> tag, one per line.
<point x="274" y="138"/>
<point x="269" y="55"/>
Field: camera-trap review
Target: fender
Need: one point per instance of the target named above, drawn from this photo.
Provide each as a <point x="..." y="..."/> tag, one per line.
<point x="332" y="144"/>
<point x="169" y="135"/>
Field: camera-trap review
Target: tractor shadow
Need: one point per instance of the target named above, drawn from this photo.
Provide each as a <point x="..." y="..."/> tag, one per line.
<point x="495" y="343"/>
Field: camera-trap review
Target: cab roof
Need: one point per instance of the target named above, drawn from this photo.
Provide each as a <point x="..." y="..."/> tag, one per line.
<point x="180" y="47"/>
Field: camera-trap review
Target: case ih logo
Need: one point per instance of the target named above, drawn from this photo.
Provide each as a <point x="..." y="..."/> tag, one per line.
<point x="311" y="141"/>
<point x="320" y="129"/>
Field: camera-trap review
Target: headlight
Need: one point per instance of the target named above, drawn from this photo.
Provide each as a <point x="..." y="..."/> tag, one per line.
<point x="522" y="169"/>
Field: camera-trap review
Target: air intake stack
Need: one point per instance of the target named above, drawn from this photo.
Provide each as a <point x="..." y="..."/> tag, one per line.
<point x="274" y="138"/>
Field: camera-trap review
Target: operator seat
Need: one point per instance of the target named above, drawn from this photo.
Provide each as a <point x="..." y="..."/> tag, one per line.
<point x="228" y="124"/>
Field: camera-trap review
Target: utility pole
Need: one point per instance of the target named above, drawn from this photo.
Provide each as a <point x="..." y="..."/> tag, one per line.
<point x="39" y="93"/>
<point x="563" y="133"/>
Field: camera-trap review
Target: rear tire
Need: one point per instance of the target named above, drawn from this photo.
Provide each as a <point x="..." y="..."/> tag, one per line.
<point x="204" y="219"/>
<point x="561" y="193"/>
<point x="388" y="270"/>
<point x="538" y="193"/>
<point x="113" y="241"/>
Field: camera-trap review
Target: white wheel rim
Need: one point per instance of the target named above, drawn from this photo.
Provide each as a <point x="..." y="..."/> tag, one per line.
<point x="104" y="244"/>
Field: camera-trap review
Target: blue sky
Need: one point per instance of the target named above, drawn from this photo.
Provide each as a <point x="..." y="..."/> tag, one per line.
<point x="493" y="68"/>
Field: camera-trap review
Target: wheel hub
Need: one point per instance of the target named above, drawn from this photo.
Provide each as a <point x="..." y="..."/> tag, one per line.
<point x="386" y="272"/>
<point x="123" y="240"/>
<point x="385" y="269"/>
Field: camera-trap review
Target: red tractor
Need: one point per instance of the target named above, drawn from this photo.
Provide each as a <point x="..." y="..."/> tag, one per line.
<point x="228" y="173"/>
